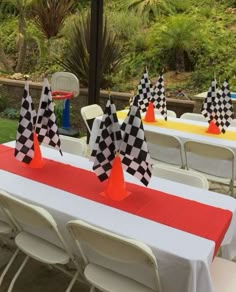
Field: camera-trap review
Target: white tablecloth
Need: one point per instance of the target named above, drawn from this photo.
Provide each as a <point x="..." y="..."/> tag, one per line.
<point x="183" y="258"/>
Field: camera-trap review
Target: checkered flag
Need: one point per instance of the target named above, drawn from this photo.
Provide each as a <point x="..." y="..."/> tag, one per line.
<point x="133" y="149"/>
<point x="158" y="97"/>
<point x="107" y="143"/>
<point x="223" y="108"/>
<point x="207" y="109"/>
<point x="24" y="150"/>
<point x="144" y="92"/>
<point x="46" y="127"/>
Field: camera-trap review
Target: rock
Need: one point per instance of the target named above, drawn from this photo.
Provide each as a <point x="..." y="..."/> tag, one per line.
<point x="17" y="76"/>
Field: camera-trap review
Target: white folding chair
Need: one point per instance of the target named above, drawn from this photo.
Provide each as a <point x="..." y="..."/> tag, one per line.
<point x="206" y="158"/>
<point x="72" y="145"/>
<point x="7" y="227"/>
<point x="170" y="114"/>
<point x="233" y="123"/>
<point x="36" y="228"/>
<point x="120" y="260"/>
<point x="223" y="275"/>
<point x="165" y="148"/>
<point x="193" y="117"/>
<point x="183" y="176"/>
<point x="90" y="112"/>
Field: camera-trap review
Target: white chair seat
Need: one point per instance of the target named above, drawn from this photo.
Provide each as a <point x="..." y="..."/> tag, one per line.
<point x="40" y="249"/>
<point x="5" y="228"/>
<point x="223" y="274"/>
<point x="114" y="282"/>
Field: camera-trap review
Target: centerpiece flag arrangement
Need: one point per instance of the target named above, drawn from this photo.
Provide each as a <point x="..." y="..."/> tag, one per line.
<point x="158" y="97"/>
<point x="46" y="126"/>
<point x="121" y="147"/>
<point x="144" y="91"/>
<point x="24" y="149"/>
<point x="217" y="108"/>
<point x="150" y="98"/>
<point x="27" y="148"/>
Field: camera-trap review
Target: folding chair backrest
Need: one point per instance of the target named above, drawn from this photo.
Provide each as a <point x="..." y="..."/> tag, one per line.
<point x="209" y="150"/>
<point x="90" y="112"/>
<point x="72" y="145"/>
<point x="29" y="217"/>
<point x="65" y="81"/>
<point x="233" y="123"/>
<point x="113" y="247"/>
<point x="193" y="117"/>
<point x="217" y="162"/>
<point x="170" y="114"/>
<point x="181" y="176"/>
<point x="165" y="148"/>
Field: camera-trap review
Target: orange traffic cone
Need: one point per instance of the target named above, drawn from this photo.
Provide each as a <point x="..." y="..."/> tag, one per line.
<point x="116" y="188"/>
<point x="37" y="161"/>
<point x="213" y="129"/>
<point x="150" y="114"/>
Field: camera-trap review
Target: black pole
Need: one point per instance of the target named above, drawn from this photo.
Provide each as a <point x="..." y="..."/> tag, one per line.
<point x="96" y="28"/>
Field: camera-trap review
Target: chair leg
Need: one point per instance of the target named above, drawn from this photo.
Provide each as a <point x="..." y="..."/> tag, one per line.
<point x="17" y="274"/>
<point x="9" y="265"/>
<point x="72" y="282"/>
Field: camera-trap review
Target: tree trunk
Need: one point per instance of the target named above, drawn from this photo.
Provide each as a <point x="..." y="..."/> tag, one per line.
<point x="179" y="59"/>
<point x="3" y="59"/>
<point x="21" y="42"/>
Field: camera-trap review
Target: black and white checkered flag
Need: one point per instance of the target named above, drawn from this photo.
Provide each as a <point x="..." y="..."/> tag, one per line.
<point x="133" y="149"/>
<point x="144" y="92"/>
<point x="158" y="97"/>
<point x="46" y="126"/>
<point x="207" y="109"/>
<point x="24" y="150"/>
<point x="223" y="108"/>
<point x="107" y="143"/>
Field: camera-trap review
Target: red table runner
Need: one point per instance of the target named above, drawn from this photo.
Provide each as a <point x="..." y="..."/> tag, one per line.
<point x="187" y="215"/>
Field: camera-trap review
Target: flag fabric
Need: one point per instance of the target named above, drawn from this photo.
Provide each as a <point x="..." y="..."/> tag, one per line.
<point x="24" y="149"/>
<point x="207" y="109"/>
<point x="46" y="126"/>
<point x="107" y="143"/>
<point x="158" y="97"/>
<point x="144" y="92"/>
<point x="132" y="98"/>
<point x="223" y="107"/>
<point x="133" y="149"/>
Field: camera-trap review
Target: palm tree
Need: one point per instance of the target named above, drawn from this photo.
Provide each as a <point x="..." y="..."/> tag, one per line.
<point x="179" y="36"/>
<point x="19" y="8"/>
<point x="49" y="15"/>
<point x="149" y="8"/>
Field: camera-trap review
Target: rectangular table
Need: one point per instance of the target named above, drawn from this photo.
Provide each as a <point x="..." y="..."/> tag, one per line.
<point x="184" y="130"/>
<point x="183" y="258"/>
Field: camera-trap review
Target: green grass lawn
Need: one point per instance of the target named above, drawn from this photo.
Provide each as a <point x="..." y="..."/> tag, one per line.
<point x="7" y="130"/>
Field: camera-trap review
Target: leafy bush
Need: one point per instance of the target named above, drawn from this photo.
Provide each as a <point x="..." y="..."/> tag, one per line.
<point x="3" y="103"/>
<point x="10" y="113"/>
<point x="76" y="57"/>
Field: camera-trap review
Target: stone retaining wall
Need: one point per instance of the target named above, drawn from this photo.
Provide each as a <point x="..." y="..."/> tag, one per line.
<point x="13" y="90"/>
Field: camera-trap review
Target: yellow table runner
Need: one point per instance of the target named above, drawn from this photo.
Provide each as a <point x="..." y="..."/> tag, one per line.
<point x="180" y="126"/>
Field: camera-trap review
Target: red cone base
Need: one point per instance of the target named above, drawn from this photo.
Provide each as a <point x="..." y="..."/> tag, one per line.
<point x="213" y="129"/>
<point x="37" y="161"/>
<point x="150" y="114"/>
<point x="116" y="188"/>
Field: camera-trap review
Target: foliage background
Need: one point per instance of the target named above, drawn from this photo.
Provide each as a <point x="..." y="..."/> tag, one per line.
<point x="195" y="39"/>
